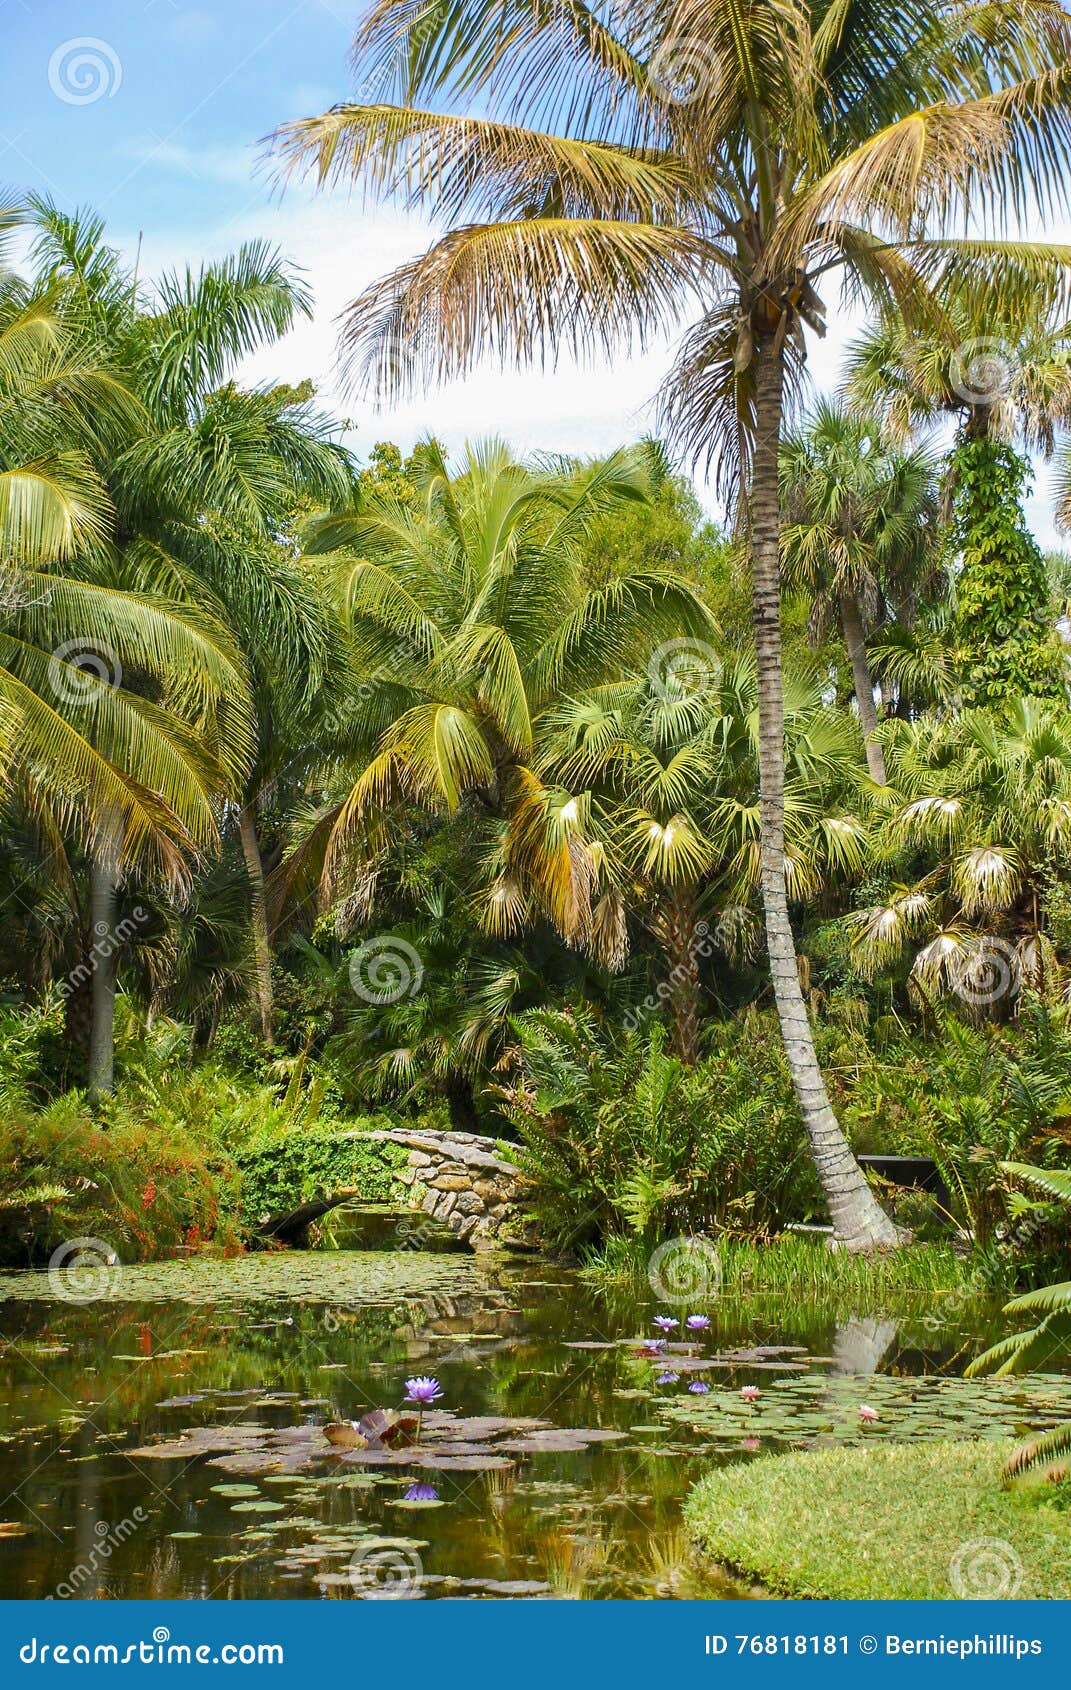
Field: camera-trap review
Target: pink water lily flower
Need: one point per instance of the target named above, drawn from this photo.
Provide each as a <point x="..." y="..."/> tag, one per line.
<point x="867" y="1414"/>
<point x="750" y="1393"/>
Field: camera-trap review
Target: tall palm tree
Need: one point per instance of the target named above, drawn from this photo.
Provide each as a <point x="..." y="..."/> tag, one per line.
<point x="468" y="616"/>
<point x="205" y="493"/>
<point x="858" y="535"/>
<point x="711" y="161"/>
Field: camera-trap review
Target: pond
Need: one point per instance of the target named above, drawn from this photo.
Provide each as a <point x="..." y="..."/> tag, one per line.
<point x="166" y="1438"/>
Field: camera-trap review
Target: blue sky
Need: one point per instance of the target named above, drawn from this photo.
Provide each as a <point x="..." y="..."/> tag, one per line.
<point x="152" y="111"/>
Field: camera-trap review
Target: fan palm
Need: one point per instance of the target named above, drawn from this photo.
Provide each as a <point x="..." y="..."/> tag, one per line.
<point x="985" y="799"/>
<point x="709" y="161"/>
<point x="1036" y="1346"/>
<point x="468" y="616"/>
<point x="667" y="774"/>
<point x="858" y="534"/>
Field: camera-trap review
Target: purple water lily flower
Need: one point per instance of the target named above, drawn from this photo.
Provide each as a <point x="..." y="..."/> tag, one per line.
<point x="421" y="1493"/>
<point x="698" y="1388"/>
<point x="422" y="1391"/>
<point x="665" y="1322"/>
<point x="667" y="1378"/>
<point x="653" y="1346"/>
<point x="697" y="1322"/>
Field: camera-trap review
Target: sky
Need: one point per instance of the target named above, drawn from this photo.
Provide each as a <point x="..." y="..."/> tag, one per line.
<point x="153" y="113"/>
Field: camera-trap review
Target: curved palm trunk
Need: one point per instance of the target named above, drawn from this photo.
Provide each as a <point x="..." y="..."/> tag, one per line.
<point x="103" y="962"/>
<point x="859" y="1222"/>
<point x="258" y="899"/>
<point x="855" y="640"/>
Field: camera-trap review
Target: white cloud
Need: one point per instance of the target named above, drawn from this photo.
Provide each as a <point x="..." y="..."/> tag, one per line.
<point x="343" y="247"/>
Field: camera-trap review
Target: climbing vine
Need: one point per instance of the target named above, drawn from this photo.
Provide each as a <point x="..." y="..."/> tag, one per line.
<point x="1005" y="636"/>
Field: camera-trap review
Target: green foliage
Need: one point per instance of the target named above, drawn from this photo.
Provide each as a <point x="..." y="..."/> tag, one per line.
<point x="301" y="1167"/>
<point x="973" y="1097"/>
<point x="1004" y="629"/>
<point x="622" y="1139"/>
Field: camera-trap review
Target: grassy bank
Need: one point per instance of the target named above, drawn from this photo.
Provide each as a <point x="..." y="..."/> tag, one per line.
<point x="802" y="1265"/>
<point x="885" y="1522"/>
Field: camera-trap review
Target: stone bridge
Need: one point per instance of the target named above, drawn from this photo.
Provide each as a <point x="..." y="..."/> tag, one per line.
<point x="461" y="1180"/>
<point x="457" y="1180"/>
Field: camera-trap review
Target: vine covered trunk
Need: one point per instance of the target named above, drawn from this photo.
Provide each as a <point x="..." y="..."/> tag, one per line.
<point x="859" y="1222"/>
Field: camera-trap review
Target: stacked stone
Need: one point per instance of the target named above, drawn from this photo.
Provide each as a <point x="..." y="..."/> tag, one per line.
<point x="460" y="1180"/>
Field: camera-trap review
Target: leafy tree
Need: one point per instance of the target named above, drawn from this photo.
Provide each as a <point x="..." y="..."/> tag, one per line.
<point x="468" y="616"/>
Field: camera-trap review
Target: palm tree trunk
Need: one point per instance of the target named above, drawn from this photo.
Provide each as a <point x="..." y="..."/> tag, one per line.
<point x="676" y="931"/>
<point x="858" y="1220"/>
<point x="258" y="899"/>
<point x="852" y="623"/>
<point x="103" y="962"/>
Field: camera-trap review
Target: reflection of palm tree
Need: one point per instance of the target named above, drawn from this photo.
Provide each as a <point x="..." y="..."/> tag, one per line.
<point x="861" y="1345"/>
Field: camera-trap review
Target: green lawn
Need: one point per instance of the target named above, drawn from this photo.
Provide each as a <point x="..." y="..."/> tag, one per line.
<point x="886" y="1521"/>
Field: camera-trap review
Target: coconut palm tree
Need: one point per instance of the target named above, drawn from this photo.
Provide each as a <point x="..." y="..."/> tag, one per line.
<point x="711" y="162"/>
<point x="667" y="772"/>
<point x="858" y="534"/>
<point x="468" y="616"/>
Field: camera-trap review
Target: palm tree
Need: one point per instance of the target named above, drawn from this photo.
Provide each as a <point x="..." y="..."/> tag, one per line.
<point x="858" y="535"/>
<point x="104" y="690"/>
<point x="710" y="161"/>
<point x="468" y="616"/>
<point x="669" y="778"/>
<point x="206" y="492"/>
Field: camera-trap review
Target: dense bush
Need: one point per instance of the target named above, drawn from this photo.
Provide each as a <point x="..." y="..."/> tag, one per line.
<point x="142" y="1189"/>
<point x="621" y="1138"/>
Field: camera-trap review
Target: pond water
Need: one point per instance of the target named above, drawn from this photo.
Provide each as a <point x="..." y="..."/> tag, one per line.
<point x="166" y="1439"/>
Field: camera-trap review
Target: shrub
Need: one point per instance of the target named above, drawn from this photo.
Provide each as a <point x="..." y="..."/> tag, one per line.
<point x="620" y="1138"/>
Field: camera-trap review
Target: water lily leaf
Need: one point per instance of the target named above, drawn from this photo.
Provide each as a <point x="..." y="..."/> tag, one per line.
<point x="345" y="1434"/>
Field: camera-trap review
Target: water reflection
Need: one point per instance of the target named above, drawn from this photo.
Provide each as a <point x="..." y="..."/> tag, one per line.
<point x="275" y="1346"/>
